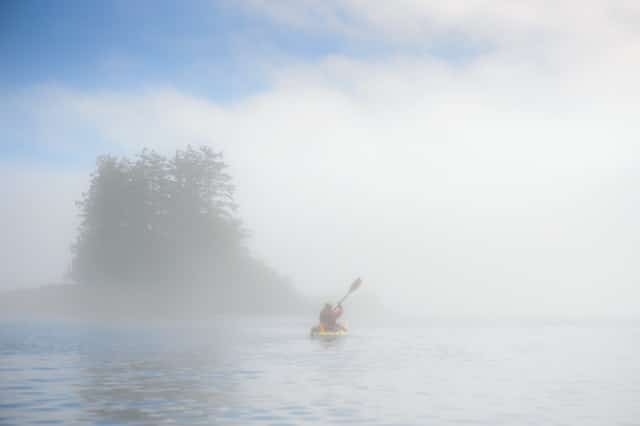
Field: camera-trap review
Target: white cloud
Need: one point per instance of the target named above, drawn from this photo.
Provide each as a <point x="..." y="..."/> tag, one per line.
<point x="499" y="21"/>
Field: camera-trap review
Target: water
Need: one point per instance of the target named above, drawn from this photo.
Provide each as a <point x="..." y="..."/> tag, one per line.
<point x="269" y="372"/>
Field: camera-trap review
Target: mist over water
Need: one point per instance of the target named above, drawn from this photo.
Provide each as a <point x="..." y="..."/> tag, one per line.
<point x="265" y="371"/>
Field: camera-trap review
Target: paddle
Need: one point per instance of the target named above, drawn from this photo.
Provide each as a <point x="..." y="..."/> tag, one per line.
<point x="354" y="286"/>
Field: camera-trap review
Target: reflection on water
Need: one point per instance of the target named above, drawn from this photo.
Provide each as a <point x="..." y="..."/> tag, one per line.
<point x="270" y="372"/>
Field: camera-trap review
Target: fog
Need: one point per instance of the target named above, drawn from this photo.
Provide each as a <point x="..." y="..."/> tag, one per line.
<point x="294" y="212"/>
<point x="40" y="220"/>
<point x="505" y="183"/>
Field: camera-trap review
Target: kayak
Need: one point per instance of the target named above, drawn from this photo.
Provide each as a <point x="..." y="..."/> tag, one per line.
<point x="328" y="334"/>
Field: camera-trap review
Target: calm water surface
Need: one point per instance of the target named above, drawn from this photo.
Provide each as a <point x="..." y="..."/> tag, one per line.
<point x="269" y="372"/>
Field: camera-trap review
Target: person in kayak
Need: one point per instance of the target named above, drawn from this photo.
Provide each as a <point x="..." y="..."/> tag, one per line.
<point x="329" y="317"/>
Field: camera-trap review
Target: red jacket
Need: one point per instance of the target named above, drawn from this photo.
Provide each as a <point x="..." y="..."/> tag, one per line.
<point x="328" y="317"/>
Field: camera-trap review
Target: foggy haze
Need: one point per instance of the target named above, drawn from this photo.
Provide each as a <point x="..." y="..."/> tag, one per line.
<point x="498" y="178"/>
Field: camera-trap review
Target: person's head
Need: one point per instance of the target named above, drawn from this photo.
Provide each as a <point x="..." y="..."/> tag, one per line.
<point x="328" y="306"/>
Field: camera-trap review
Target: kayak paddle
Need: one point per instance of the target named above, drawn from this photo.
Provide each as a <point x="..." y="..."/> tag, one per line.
<point x="354" y="286"/>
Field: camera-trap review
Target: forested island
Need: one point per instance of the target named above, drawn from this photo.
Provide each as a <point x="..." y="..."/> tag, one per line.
<point x="160" y="236"/>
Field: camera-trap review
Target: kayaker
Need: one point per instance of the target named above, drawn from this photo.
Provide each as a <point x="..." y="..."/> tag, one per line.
<point x="329" y="316"/>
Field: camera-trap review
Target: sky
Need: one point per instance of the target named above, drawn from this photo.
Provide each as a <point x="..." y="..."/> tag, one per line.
<point x="465" y="158"/>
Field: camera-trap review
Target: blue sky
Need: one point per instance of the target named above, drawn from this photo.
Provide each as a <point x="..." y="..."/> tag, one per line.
<point x="202" y="47"/>
<point x="199" y="46"/>
<point x="120" y="44"/>
<point x="216" y="50"/>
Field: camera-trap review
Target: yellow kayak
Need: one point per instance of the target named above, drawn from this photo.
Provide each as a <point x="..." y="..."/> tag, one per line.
<point x="315" y="332"/>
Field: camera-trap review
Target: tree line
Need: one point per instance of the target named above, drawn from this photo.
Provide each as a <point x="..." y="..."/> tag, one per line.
<point x="154" y="221"/>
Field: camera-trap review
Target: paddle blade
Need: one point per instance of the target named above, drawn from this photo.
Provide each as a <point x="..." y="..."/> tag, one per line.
<point x="356" y="285"/>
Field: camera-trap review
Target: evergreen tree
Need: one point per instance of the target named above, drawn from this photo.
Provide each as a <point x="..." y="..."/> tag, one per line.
<point x="153" y="219"/>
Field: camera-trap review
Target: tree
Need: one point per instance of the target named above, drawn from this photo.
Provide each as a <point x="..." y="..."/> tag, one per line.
<point x="152" y="220"/>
